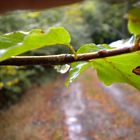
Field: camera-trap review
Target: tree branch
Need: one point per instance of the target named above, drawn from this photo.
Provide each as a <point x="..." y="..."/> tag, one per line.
<point x="64" y="58"/>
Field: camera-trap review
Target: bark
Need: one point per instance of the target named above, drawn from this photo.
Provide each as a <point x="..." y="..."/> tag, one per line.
<point x="65" y="58"/>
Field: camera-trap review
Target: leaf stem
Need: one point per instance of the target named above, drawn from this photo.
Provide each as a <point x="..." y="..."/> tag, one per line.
<point x="72" y="50"/>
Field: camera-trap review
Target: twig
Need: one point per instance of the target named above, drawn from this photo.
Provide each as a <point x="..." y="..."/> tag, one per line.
<point x="64" y="58"/>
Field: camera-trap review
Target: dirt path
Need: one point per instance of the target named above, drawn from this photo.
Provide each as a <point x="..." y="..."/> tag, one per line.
<point x="87" y="110"/>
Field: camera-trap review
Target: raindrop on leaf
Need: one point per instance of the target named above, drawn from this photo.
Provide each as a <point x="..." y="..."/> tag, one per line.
<point x="62" y="68"/>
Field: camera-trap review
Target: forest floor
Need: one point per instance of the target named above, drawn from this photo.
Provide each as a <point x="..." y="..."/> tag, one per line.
<point x="87" y="110"/>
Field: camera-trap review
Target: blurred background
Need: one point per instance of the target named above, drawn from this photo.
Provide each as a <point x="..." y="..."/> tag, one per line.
<point x="34" y="103"/>
<point x="89" y="21"/>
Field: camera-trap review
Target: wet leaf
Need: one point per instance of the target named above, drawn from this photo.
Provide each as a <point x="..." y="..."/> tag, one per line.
<point x="79" y="67"/>
<point x="76" y="69"/>
<point x="134" y="21"/>
<point x="88" y="48"/>
<point x="118" y="69"/>
<point x="19" y="42"/>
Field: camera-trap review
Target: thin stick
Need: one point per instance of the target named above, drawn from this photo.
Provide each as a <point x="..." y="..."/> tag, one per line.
<point x="64" y="58"/>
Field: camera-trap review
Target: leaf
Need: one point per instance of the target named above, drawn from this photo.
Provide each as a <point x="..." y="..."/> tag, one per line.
<point x="134" y="21"/>
<point x="119" y="69"/>
<point x="76" y="69"/>
<point x="20" y="42"/>
<point x="11" y="39"/>
<point x="88" y="48"/>
<point x="79" y="67"/>
<point x="116" y="69"/>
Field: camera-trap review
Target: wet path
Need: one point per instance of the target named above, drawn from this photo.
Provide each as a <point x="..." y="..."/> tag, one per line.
<point x="100" y="112"/>
<point x="74" y="106"/>
<point x="87" y="110"/>
<point x="121" y="95"/>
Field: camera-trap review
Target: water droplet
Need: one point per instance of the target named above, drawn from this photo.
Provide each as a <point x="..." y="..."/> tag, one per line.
<point x="2" y="51"/>
<point x="62" y="68"/>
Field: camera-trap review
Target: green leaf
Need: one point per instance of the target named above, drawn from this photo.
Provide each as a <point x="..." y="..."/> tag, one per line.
<point x="116" y="69"/>
<point x="134" y="21"/>
<point x="119" y="69"/>
<point x="88" y="48"/>
<point x="11" y="39"/>
<point x="79" y="67"/>
<point x="76" y="69"/>
<point x="20" y="42"/>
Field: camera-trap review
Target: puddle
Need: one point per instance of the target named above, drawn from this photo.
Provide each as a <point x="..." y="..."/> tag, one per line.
<point x="86" y="110"/>
<point x="73" y="106"/>
<point x="89" y="119"/>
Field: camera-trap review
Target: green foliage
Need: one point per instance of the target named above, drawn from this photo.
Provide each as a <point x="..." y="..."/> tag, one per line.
<point x="113" y="69"/>
<point x="70" y="17"/>
<point x="85" y="23"/>
<point x="15" y="80"/>
<point x="104" y="21"/>
<point x="21" y="42"/>
<point x="116" y="69"/>
<point x="76" y="69"/>
<point x="134" y="21"/>
<point x="79" y="67"/>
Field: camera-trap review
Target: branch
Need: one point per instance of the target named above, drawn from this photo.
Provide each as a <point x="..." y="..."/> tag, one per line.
<point x="65" y="58"/>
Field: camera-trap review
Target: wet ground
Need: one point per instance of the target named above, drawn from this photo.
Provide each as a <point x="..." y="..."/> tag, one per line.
<point x="87" y="110"/>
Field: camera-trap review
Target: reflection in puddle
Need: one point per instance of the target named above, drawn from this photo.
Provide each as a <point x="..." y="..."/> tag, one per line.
<point x="73" y="106"/>
<point x="98" y="117"/>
